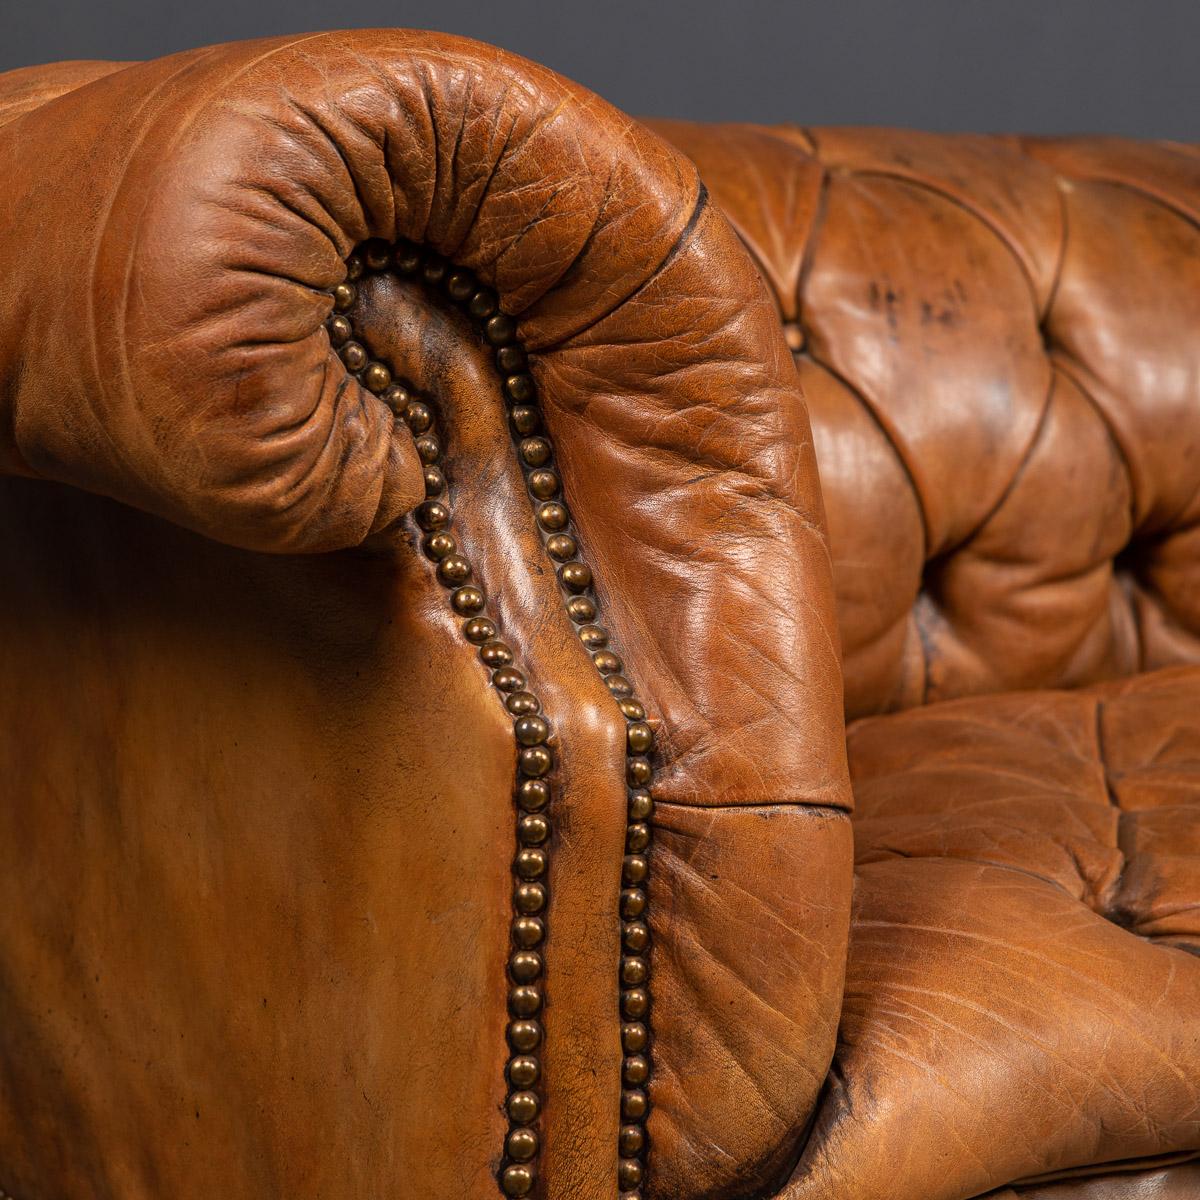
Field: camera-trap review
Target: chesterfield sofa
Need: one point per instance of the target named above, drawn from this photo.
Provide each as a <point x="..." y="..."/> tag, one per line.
<point x="544" y="655"/>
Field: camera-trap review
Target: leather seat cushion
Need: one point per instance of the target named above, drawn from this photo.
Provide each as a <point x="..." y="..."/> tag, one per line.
<point x="1023" y="989"/>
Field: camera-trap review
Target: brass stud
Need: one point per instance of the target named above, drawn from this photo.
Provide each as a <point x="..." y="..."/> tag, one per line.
<point x="519" y="389"/>
<point x="354" y="356"/>
<point x="406" y="258"/>
<point x="500" y="329"/>
<point x="439" y="545"/>
<point x="482" y="304"/>
<point x="525" y="966"/>
<point x="638" y="772"/>
<point x="631" y="1140"/>
<point x="553" y="516"/>
<point x="561" y="546"/>
<point x="434" y="269"/>
<point x="535" y="761"/>
<point x="496" y="654"/>
<point x="634" y="1104"/>
<point x="635" y="868"/>
<point x="522" y="704"/>
<point x="397" y="398"/>
<point x="635" y="1069"/>
<point x="525" y="1001"/>
<point x="377" y="378"/>
<point x="633" y="971"/>
<point x="377" y="254"/>
<point x="479" y="630"/>
<point x="633" y="902"/>
<point x="534" y="451"/>
<point x="431" y="515"/>
<point x="581" y="609"/>
<point x="508" y="679"/>
<point x="530" y="863"/>
<point x="525" y="420"/>
<point x="429" y="449"/>
<point x="524" y="1036"/>
<point x="637" y="837"/>
<point x="634" y="710"/>
<point x="435" y="481"/>
<point x="528" y="932"/>
<point x="511" y="359"/>
<point x="523" y="1072"/>
<point x="641" y="805"/>
<point x="634" y="1003"/>
<point x="531" y="731"/>
<point x="619" y="686"/>
<point x="629" y="1173"/>
<point x="530" y="898"/>
<point x="418" y="416"/>
<point x="517" y="1180"/>
<point x="593" y="637"/>
<point x="607" y="663"/>
<point x="533" y="794"/>
<point x="634" y="1038"/>
<point x="344" y="296"/>
<point x="454" y="570"/>
<point x="354" y="267"/>
<point x="575" y="576"/>
<point x="467" y="601"/>
<point x="340" y="330"/>
<point x="523" y="1106"/>
<point x="635" y="936"/>
<point x="461" y="285"/>
<point x="521" y="1144"/>
<point x="543" y="483"/>
<point x="533" y="829"/>
<point x="639" y="737"/>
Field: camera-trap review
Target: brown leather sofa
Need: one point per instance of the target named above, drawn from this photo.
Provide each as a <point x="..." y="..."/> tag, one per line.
<point x="425" y="668"/>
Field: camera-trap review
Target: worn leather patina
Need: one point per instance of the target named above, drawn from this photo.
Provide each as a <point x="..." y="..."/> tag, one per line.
<point x="546" y="654"/>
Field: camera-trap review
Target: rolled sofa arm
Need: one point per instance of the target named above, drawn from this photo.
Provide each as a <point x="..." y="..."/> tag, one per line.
<point x="221" y="265"/>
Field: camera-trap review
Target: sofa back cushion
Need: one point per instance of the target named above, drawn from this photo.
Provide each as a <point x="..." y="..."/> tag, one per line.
<point x="999" y="339"/>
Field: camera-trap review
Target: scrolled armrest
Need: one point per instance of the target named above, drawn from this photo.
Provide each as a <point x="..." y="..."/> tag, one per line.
<point x="183" y="235"/>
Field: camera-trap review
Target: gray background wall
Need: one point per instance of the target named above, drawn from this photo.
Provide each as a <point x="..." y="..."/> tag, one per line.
<point x="1115" y="66"/>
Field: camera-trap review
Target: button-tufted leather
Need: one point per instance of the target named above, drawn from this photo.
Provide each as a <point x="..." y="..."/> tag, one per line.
<point x="997" y="342"/>
<point x="259" y="927"/>
<point x="995" y="339"/>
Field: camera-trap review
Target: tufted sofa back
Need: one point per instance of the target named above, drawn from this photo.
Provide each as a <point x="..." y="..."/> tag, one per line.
<point x="999" y="339"/>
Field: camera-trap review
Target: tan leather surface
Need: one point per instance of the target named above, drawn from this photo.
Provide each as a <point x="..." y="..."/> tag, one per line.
<point x="344" y="854"/>
<point x="237" y="954"/>
<point x="260" y="804"/>
<point x="995" y="341"/>
<point x="1024" y="973"/>
<point x="1171" y="1183"/>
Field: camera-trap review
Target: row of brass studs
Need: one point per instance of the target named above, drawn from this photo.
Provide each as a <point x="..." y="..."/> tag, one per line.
<point x="531" y="730"/>
<point x="536" y="455"/>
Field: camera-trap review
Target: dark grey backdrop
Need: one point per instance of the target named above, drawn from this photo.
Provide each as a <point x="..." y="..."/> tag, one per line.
<point x="1116" y="66"/>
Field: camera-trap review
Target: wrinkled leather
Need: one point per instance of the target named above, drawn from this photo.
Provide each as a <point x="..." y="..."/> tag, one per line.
<point x="179" y="227"/>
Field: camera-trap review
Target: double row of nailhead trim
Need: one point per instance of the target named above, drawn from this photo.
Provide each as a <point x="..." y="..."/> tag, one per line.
<point x="518" y="1171"/>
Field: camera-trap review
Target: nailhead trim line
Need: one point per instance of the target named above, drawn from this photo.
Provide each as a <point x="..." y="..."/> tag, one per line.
<point x="518" y="1170"/>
